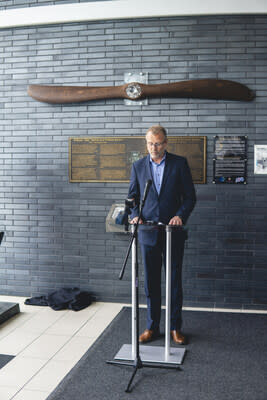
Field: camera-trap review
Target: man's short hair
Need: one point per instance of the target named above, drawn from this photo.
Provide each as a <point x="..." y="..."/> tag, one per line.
<point x="156" y="129"/>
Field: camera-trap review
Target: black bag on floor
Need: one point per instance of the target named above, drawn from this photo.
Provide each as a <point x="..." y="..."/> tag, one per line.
<point x="64" y="298"/>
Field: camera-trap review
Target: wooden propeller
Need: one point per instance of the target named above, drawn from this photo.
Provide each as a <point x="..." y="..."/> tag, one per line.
<point x="217" y="89"/>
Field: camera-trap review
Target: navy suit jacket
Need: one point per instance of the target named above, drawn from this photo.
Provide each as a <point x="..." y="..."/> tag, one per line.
<point x="177" y="195"/>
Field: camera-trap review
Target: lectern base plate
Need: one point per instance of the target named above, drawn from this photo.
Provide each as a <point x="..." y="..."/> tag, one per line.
<point x="152" y="354"/>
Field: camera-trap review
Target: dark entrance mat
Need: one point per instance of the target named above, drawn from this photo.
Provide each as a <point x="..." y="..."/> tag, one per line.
<point x="225" y="360"/>
<point x="8" y="310"/>
<point x="4" y="359"/>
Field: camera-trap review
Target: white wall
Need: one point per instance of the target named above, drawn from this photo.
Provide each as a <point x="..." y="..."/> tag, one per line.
<point x="120" y="9"/>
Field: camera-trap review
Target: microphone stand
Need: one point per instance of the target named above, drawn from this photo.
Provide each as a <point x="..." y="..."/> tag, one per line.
<point x="137" y="362"/>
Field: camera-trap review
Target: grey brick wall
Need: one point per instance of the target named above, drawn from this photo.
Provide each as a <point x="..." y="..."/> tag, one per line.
<point x="55" y="230"/>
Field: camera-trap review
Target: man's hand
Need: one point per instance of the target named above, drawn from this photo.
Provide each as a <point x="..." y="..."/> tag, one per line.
<point x="135" y="219"/>
<point x="176" y="221"/>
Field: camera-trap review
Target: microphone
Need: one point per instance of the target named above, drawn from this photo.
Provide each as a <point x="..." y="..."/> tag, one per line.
<point x="147" y="187"/>
<point x="122" y="217"/>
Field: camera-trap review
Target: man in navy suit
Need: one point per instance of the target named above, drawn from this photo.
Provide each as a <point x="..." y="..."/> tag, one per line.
<point x="170" y="200"/>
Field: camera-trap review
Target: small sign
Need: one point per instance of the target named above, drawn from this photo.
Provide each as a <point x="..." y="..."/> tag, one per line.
<point x="260" y="159"/>
<point x="230" y="159"/>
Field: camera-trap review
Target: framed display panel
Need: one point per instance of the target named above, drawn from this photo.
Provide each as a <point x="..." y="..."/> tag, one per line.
<point x="230" y="159"/>
<point x="109" y="159"/>
<point x="260" y="159"/>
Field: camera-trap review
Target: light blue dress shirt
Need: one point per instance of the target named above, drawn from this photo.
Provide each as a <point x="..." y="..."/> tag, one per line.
<point x="157" y="171"/>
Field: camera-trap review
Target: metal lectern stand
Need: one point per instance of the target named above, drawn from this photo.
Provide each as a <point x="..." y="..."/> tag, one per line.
<point x="153" y="354"/>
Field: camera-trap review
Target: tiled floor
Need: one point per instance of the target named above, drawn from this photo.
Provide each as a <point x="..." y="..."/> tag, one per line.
<point x="46" y="345"/>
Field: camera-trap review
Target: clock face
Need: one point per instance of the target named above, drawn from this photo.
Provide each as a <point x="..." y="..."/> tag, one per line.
<point x="133" y="90"/>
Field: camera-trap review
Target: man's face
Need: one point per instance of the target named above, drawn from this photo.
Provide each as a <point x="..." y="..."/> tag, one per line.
<point x="156" y="145"/>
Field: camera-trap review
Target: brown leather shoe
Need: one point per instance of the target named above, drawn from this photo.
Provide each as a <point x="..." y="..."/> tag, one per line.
<point x="178" y="337"/>
<point x="148" y="335"/>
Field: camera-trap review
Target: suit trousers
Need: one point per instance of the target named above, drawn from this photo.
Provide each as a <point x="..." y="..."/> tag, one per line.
<point x="153" y="258"/>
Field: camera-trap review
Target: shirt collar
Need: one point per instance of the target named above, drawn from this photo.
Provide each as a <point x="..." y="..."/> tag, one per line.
<point x="162" y="161"/>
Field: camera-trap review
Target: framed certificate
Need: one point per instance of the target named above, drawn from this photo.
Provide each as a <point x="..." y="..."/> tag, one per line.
<point x="260" y="159"/>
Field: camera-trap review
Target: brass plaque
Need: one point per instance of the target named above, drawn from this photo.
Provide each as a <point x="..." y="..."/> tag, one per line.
<point x="109" y="159"/>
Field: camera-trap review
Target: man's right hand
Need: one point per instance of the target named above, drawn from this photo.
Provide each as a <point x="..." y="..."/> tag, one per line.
<point x="135" y="219"/>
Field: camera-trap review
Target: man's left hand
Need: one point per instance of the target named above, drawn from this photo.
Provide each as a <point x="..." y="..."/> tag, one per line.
<point x="176" y="221"/>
